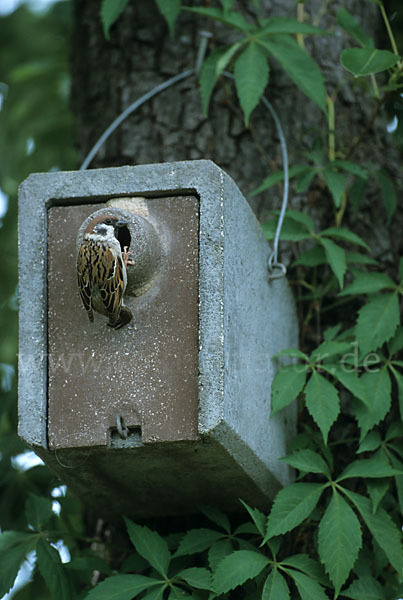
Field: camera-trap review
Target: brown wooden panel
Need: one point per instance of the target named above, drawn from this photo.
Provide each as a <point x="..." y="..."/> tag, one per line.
<point x="146" y="371"/>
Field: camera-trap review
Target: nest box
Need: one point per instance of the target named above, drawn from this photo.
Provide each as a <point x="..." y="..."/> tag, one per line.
<point x="173" y="409"/>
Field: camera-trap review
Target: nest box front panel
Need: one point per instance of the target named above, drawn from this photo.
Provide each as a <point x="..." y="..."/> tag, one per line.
<point x="143" y="375"/>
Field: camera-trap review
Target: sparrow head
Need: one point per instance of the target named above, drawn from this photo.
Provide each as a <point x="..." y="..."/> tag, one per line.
<point x="108" y="226"/>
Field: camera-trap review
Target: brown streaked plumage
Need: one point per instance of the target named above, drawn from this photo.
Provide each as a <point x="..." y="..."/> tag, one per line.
<point x="101" y="272"/>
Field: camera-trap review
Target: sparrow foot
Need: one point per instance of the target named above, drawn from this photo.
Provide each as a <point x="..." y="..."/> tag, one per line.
<point x="126" y="257"/>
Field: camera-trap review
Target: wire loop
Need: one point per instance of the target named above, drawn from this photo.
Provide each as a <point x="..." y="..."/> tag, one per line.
<point x="121" y="427"/>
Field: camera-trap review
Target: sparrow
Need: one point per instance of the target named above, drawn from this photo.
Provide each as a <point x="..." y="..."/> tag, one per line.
<point x="101" y="272"/>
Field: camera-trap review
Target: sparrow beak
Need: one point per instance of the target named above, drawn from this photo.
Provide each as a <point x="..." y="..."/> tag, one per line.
<point x="119" y="224"/>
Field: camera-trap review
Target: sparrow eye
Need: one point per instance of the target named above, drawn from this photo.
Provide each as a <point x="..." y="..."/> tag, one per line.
<point x="108" y="221"/>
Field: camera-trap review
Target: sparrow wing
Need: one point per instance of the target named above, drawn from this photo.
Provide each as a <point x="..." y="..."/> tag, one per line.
<point x="84" y="275"/>
<point x="108" y="275"/>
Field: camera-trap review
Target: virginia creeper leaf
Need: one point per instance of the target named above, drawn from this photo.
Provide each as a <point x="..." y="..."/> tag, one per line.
<point x="150" y="545"/>
<point x="286" y="386"/>
<point x="110" y="12"/>
<point x="299" y="66"/>
<point x="377" y="321"/>
<point x="292" y="505"/>
<point x="275" y="587"/>
<point x="336" y="257"/>
<point x="382" y="528"/>
<point x="51" y="569"/>
<point x="237" y="568"/>
<point x="322" y="402"/>
<point x="122" y="587"/>
<point x="308" y="461"/>
<point x="339" y="538"/>
<point x="251" y="72"/>
<point x="366" y="61"/>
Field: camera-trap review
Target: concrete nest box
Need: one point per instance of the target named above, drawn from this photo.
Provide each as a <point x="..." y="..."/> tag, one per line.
<point x="173" y="409"/>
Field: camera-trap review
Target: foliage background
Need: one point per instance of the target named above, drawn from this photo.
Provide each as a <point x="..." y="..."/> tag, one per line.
<point x="36" y="134"/>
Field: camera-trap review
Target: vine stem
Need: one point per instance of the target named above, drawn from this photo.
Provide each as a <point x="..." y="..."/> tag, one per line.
<point x="390" y="32"/>
<point x="331" y="127"/>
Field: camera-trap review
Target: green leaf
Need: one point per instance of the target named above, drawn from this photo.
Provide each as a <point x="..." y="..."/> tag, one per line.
<point x="237" y="568"/>
<point x="308" y="461"/>
<point x="398" y="480"/>
<point x="89" y="563"/>
<point x="378" y="391"/>
<point x="150" y="545"/>
<point x="328" y="350"/>
<point x="304" y="179"/>
<point x="377" y="321"/>
<point x="382" y="528"/>
<point x="349" y="24"/>
<point x="292" y="505"/>
<point x="38" y="511"/>
<point x="311" y="258"/>
<point x="275" y="587"/>
<point x="123" y="587"/>
<point x="299" y="66"/>
<point x="388" y="195"/>
<point x="286" y="25"/>
<point x="322" y="402"/>
<point x="371" y="442"/>
<point x="307" y="565"/>
<point x="278" y="176"/>
<point x="232" y="18"/>
<point x="366" y="61"/>
<point x="336" y="257"/>
<point x="399" y="381"/>
<point x="197" y="577"/>
<point x="212" y="68"/>
<point x="197" y="540"/>
<point x="336" y="182"/>
<point x="377" y="489"/>
<point x="170" y="10"/>
<point x="395" y="430"/>
<point x="331" y="332"/>
<point x="110" y="12"/>
<point x="52" y="571"/>
<point x="217" y="516"/>
<point x="339" y="539"/>
<point x="251" y="72"/>
<point x="351" y="167"/>
<point x="363" y="259"/>
<point x="396" y="343"/>
<point x="218" y="551"/>
<point x="290" y="231"/>
<point x="368" y="283"/>
<point x="227" y="5"/>
<point x="349" y="378"/>
<point x="308" y="588"/>
<point x="258" y="518"/>
<point x="157" y="593"/>
<point x="365" y="588"/>
<point x="303" y="218"/>
<point x="344" y="234"/>
<point x="286" y="386"/>
<point x="376" y="466"/>
<point x="14" y="547"/>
